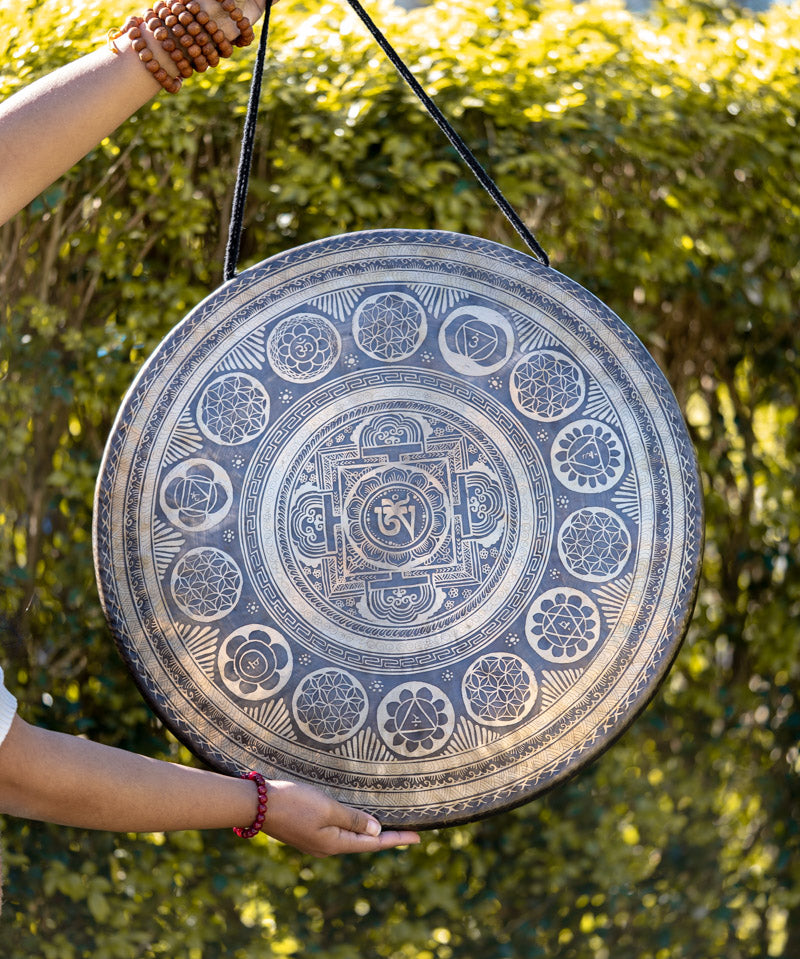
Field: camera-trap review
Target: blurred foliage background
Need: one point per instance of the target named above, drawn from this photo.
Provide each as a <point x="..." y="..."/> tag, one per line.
<point x="657" y="157"/>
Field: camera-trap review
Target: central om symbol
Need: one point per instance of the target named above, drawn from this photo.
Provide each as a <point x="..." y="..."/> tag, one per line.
<point x="394" y="515"/>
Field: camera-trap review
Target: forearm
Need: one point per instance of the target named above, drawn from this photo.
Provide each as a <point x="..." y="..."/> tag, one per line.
<point x="74" y="782"/>
<point x="50" y="125"/>
<point x="53" y="123"/>
<point x="63" y="779"/>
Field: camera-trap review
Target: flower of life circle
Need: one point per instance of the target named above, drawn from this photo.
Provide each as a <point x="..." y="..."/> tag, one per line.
<point x="415" y="719"/>
<point x="330" y="705"/>
<point x="233" y="409"/>
<point x="206" y="584"/>
<point x="255" y="662"/>
<point x="499" y="689"/>
<point x="588" y="456"/>
<point x="563" y="625"/>
<point x="547" y="385"/>
<point x="196" y="495"/>
<point x="594" y="544"/>
<point x="303" y="348"/>
<point x="389" y="326"/>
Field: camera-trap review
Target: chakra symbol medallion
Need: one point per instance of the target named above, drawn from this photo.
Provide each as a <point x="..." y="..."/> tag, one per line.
<point x="303" y="347"/>
<point x="476" y="340"/>
<point x="196" y="495"/>
<point x="255" y="662"/>
<point x="416" y="719"/>
<point x="588" y="456"/>
<point x="563" y="625"/>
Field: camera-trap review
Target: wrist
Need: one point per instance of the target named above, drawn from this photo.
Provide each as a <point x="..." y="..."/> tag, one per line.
<point x="257" y="824"/>
<point x="137" y="39"/>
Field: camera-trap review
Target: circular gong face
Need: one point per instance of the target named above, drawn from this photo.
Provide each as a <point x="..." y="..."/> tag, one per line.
<point x="403" y="514"/>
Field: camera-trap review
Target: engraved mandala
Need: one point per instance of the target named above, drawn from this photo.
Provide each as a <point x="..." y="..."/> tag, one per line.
<point x="398" y="524"/>
<point x="303" y="348"/>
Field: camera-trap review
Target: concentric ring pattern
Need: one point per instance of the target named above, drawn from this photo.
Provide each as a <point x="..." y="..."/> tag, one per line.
<point x="404" y="514"/>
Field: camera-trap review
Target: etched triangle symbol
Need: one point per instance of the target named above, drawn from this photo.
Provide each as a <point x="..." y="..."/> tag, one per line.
<point x="588" y="453"/>
<point x="417" y="720"/>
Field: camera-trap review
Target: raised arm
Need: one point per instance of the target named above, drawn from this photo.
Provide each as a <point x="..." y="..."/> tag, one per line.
<point x="50" y="125"/>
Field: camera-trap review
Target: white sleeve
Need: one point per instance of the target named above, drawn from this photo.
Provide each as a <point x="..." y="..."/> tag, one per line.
<point x="8" y="707"/>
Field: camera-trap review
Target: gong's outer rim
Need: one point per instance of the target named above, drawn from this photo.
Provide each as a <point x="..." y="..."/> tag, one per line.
<point x="682" y="608"/>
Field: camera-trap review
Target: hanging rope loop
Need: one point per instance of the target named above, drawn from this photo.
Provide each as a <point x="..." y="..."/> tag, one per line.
<point x="248" y="139"/>
<point x="246" y="156"/>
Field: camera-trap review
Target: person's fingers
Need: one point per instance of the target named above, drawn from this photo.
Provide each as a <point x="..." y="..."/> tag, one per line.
<point x="252" y="9"/>
<point x="358" y="842"/>
<point x="317" y="824"/>
<point x="365" y="826"/>
<point x="356" y="821"/>
<point x="394" y="837"/>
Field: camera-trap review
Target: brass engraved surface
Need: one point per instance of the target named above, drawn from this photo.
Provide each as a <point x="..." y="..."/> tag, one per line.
<point x="404" y="514"/>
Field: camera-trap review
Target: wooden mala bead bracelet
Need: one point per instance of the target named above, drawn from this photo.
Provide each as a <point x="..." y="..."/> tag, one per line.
<point x="190" y="35"/>
<point x="133" y="28"/>
<point x="246" y="35"/>
<point x="166" y="38"/>
<point x="187" y="34"/>
<point x="223" y="46"/>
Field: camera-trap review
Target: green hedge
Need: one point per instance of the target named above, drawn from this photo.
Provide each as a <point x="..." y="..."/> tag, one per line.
<point x="657" y="158"/>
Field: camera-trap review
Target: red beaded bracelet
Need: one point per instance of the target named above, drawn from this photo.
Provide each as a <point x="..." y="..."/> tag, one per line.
<point x="258" y="822"/>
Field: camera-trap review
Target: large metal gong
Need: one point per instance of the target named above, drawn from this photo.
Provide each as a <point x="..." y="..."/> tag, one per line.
<point x="403" y="514"/>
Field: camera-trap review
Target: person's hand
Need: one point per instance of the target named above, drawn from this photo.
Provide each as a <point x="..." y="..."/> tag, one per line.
<point x="252" y="9"/>
<point x="304" y="817"/>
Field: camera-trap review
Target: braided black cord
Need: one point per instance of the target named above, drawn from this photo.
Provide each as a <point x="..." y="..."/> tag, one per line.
<point x="248" y="139"/>
<point x="463" y="150"/>
<point x="245" y="157"/>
